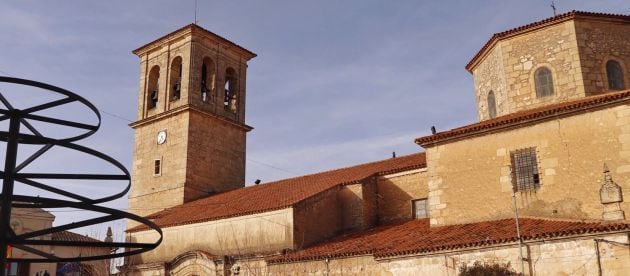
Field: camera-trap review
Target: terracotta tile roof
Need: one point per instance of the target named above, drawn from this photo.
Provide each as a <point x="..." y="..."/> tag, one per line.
<point x="537" y="25"/>
<point x="527" y="116"/>
<point x="278" y="194"/>
<point x="70" y="236"/>
<point x="417" y="237"/>
<point x="192" y="27"/>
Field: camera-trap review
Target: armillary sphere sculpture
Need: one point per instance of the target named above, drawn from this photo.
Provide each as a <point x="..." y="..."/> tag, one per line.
<point x="21" y="131"/>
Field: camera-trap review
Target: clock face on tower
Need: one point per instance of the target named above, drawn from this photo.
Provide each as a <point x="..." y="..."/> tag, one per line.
<point x="161" y="137"/>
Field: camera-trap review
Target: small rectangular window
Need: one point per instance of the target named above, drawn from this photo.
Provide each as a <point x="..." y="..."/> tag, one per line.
<point x="525" y="170"/>
<point x="157" y="167"/>
<point x="420" y="208"/>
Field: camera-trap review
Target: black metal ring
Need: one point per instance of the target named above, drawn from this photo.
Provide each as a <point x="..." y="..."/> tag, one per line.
<point x="71" y="97"/>
<point x="13" y="137"/>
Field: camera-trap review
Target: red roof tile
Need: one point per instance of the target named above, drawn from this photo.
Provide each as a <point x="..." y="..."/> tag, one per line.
<point x="417" y="237"/>
<point x="73" y="237"/>
<point x="537" y="25"/>
<point x="527" y="116"/>
<point x="278" y="194"/>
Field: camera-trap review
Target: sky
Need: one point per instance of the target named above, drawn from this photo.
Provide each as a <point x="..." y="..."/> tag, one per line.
<point x="335" y="83"/>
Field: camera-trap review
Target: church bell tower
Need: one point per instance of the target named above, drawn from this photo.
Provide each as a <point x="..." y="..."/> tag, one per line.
<point x="189" y="139"/>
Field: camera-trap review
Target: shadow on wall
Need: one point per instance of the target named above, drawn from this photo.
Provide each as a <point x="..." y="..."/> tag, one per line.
<point x="569" y="208"/>
<point x="394" y="203"/>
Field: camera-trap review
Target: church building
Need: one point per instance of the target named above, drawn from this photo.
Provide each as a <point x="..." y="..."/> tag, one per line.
<point x="538" y="182"/>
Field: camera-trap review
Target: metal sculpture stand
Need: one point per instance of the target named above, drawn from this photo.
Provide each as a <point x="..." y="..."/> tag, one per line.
<point x="28" y="242"/>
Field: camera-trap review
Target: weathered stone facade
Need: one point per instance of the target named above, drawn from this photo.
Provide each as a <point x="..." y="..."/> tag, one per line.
<point x="553" y="257"/>
<point x="204" y="148"/>
<point x="569" y="162"/>
<point x="575" y="49"/>
<point x="598" y="42"/>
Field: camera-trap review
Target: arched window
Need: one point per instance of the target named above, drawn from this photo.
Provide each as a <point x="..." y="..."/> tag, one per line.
<point x="492" y="105"/>
<point x="208" y="79"/>
<point x="615" y="75"/>
<point x="153" y="88"/>
<point x="544" y="82"/>
<point x="230" y="98"/>
<point x="175" y="83"/>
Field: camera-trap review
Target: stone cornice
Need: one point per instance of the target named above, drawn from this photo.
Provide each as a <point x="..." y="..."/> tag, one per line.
<point x="193" y="29"/>
<point x="189" y="108"/>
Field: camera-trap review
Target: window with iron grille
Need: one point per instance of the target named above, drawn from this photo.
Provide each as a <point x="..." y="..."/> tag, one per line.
<point x="525" y="170"/>
<point x="420" y="208"/>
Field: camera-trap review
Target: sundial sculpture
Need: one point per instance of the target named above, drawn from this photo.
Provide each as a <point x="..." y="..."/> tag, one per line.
<point x="21" y="131"/>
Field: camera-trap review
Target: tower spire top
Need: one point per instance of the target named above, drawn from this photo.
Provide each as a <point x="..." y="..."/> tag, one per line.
<point x="553" y="7"/>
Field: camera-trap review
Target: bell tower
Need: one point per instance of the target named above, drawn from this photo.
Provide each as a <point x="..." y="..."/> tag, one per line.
<point x="189" y="139"/>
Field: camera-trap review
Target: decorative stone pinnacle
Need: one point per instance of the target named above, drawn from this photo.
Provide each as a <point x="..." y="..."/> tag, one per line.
<point x="607" y="177"/>
<point x="109" y="237"/>
<point x="609" y="192"/>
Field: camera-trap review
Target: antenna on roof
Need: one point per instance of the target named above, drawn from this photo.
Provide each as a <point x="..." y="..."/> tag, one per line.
<point x="553" y="6"/>
<point x="433" y="131"/>
<point x="195" y="11"/>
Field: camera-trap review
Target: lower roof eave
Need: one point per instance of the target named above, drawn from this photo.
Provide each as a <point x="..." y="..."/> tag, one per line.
<point x="319" y="258"/>
<point x="513" y="125"/>
<point x="394" y="256"/>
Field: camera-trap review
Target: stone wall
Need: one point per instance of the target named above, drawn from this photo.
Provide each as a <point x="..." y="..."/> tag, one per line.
<point x="576" y="51"/>
<point x="577" y="256"/>
<point x="370" y="203"/>
<point x="205" y="148"/>
<point x="215" y="156"/>
<point x="361" y="265"/>
<point x="598" y="42"/>
<point x="264" y="232"/>
<point x="470" y="180"/>
<point x="203" y="47"/>
<point x="396" y="191"/>
<point x="508" y="69"/>
<point x="162" y="57"/>
<point x="254" y="266"/>
<point x="568" y="257"/>
<point x="152" y="193"/>
<point x="317" y="218"/>
<point x="489" y="75"/>
<point x="358" y="205"/>
<point x="350" y="199"/>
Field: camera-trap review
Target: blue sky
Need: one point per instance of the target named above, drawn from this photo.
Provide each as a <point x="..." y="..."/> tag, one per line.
<point x="335" y="83"/>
